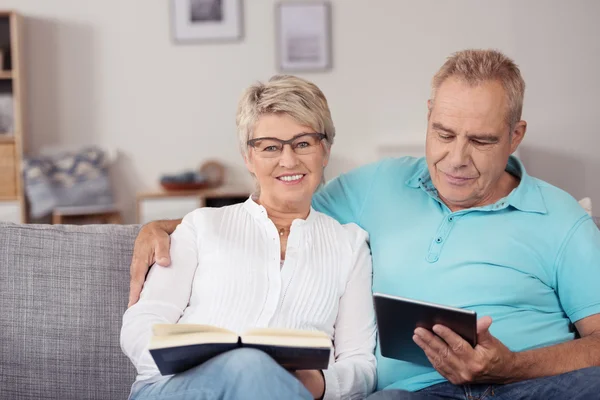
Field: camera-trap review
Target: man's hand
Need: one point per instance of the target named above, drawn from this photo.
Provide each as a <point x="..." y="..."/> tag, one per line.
<point x="312" y="380"/>
<point x="151" y="245"/>
<point x="454" y="358"/>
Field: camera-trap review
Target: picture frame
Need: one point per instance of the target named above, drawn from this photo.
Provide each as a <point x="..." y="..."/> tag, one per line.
<point x="206" y="20"/>
<point x="303" y="32"/>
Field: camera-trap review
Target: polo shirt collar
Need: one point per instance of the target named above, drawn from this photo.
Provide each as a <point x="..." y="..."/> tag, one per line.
<point x="526" y="197"/>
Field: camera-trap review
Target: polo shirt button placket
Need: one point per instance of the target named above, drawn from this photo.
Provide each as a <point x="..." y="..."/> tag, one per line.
<point x="436" y="246"/>
<point x="432" y="257"/>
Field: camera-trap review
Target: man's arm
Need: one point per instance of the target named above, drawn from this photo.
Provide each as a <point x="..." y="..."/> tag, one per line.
<point x="151" y="245"/>
<point x="561" y="358"/>
<point x="165" y="296"/>
<point x="344" y="197"/>
<point x="577" y="276"/>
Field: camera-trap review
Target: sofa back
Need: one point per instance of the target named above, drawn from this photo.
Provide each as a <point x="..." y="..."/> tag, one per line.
<point x="63" y="292"/>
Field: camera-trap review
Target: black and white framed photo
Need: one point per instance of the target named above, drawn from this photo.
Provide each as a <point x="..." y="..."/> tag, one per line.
<point x="304" y="36"/>
<point x="206" y="20"/>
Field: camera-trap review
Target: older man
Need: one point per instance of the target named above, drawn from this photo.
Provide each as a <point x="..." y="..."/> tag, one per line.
<point x="466" y="226"/>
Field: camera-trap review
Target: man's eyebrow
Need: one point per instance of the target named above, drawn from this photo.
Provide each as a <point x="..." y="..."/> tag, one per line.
<point x="484" y="137"/>
<point x="440" y="127"/>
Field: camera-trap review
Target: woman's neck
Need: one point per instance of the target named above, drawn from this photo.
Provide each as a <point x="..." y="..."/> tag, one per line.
<point x="283" y="215"/>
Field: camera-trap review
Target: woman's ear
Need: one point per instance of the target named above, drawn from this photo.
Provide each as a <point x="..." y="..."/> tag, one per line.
<point x="249" y="162"/>
<point x="326" y="153"/>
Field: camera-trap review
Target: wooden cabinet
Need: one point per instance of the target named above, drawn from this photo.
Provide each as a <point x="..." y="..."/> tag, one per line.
<point x="162" y="204"/>
<point x="11" y="118"/>
<point x="8" y="172"/>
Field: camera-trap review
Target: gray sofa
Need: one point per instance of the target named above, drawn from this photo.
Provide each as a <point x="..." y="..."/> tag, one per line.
<point x="63" y="291"/>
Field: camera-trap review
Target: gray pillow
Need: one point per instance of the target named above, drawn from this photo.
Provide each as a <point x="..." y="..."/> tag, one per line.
<point x="70" y="179"/>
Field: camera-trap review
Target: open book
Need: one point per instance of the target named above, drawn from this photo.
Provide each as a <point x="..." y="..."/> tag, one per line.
<point x="179" y="347"/>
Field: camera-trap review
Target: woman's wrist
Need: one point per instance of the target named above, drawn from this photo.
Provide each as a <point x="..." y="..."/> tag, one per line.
<point x="313" y="381"/>
<point x="324" y="385"/>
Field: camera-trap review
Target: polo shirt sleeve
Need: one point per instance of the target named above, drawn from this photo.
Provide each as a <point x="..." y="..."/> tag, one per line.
<point x="578" y="271"/>
<point x="344" y="197"/>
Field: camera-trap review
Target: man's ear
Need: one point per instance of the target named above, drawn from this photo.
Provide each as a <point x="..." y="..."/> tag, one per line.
<point x="429" y="108"/>
<point x="517" y="135"/>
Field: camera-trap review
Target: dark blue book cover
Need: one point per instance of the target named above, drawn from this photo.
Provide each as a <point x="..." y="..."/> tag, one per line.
<point x="173" y="360"/>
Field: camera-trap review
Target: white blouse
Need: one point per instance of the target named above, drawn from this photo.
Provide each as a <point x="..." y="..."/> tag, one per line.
<point x="225" y="271"/>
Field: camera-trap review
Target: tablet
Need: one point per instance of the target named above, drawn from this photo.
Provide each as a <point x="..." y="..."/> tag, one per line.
<point x="398" y="317"/>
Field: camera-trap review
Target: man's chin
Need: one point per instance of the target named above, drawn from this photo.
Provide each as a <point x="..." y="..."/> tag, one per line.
<point x="455" y="197"/>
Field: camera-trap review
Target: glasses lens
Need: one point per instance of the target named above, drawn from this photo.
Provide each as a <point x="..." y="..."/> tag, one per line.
<point x="268" y="148"/>
<point x="306" y="144"/>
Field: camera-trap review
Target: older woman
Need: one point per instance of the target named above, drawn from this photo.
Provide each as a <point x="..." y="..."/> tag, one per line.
<point x="269" y="262"/>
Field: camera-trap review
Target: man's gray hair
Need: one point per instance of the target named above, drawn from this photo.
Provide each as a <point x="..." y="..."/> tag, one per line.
<point x="479" y="66"/>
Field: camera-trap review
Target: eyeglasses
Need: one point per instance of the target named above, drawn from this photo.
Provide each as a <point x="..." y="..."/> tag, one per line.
<point x="269" y="147"/>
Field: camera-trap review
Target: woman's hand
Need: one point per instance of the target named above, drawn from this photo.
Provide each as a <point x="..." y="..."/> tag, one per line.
<point x="312" y="379"/>
<point x="151" y="245"/>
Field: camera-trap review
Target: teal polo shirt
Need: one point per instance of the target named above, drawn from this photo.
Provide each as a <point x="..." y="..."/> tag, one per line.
<point x="531" y="261"/>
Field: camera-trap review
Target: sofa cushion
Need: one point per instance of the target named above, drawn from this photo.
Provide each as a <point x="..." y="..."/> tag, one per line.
<point x="63" y="291"/>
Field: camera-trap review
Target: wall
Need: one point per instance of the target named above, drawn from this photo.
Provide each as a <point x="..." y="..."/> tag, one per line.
<point x="107" y="72"/>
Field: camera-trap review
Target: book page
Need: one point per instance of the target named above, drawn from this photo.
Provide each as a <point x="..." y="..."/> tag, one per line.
<point x="286" y="337"/>
<point x="287" y="341"/>
<point x="188" y="339"/>
<point x="284" y="332"/>
<point x="177" y="329"/>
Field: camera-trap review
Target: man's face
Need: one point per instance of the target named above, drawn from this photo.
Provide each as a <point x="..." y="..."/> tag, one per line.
<point x="469" y="142"/>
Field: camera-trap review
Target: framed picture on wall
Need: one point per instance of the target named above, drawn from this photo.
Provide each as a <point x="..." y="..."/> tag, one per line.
<point x="304" y="36"/>
<point x="206" y="20"/>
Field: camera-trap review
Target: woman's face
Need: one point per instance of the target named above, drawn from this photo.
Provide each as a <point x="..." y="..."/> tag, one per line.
<point x="289" y="175"/>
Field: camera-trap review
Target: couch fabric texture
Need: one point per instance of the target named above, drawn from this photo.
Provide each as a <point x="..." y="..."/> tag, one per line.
<point x="63" y="291"/>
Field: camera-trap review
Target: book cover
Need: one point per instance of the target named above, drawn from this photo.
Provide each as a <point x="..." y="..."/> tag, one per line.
<point x="176" y="348"/>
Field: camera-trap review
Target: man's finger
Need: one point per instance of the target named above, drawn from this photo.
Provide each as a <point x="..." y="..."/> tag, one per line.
<point x="483" y="325"/>
<point x="484" y="336"/>
<point x="161" y="251"/>
<point x="138" y="269"/>
<point x="135" y="288"/>
<point x="436" y="344"/>
<point x="437" y="359"/>
<point x="457" y="344"/>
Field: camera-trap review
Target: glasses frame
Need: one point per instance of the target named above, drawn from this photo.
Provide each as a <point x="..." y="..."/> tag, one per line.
<point x="319" y="136"/>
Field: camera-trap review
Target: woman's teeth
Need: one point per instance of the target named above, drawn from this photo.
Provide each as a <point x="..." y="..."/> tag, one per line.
<point x="290" y="178"/>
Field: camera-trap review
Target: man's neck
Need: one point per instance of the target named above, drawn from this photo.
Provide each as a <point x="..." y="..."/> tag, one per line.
<point x="506" y="184"/>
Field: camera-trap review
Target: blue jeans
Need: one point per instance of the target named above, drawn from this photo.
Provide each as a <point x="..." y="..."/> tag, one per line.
<point x="237" y="374"/>
<point x="583" y="384"/>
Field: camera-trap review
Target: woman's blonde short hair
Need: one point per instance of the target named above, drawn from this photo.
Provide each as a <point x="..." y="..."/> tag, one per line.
<point x="284" y="94"/>
<point x="478" y="66"/>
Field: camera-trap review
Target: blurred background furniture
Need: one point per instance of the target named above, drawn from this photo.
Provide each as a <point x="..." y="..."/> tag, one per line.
<point x="70" y="186"/>
<point x="12" y="104"/>
<point x="183" y="193"/>
<point x="165" y="204"/>
<point x="84" y="215"/>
